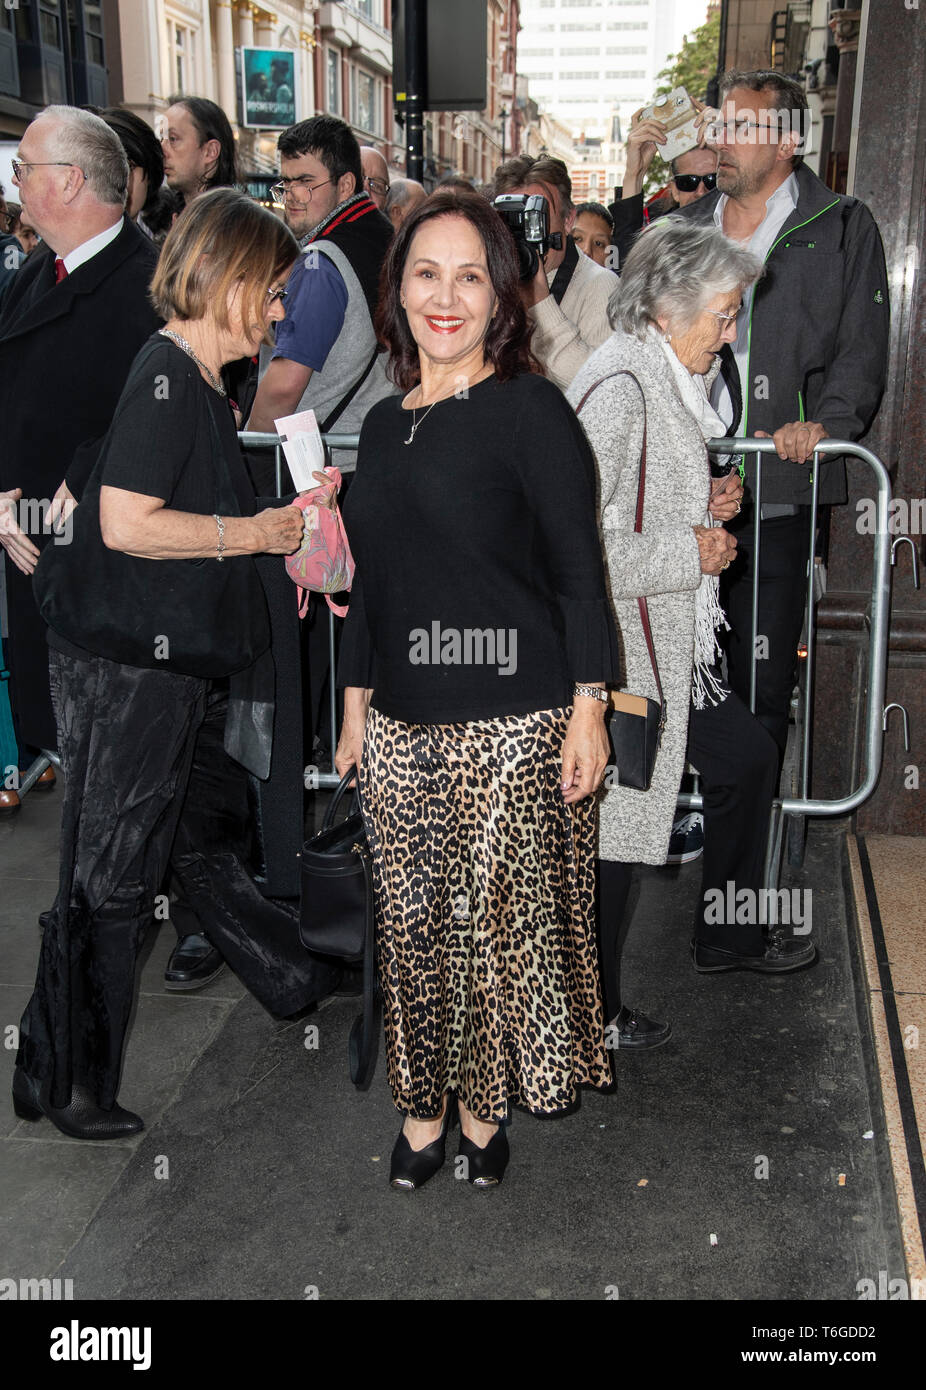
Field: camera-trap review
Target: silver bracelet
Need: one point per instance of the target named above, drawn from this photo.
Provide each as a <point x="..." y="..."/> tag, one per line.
<point x="220" y="548"/>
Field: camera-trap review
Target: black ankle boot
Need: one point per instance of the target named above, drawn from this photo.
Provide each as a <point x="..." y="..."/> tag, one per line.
<point x="486" y="1167"/>
<point x="411" y="1168"/>
<point x="82" y="1118"/>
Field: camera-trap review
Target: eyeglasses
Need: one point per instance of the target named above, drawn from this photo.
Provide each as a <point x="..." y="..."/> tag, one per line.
<point x="376" y="185"/>
<point x="735" y="131"/>
<point x="277" y="294"/>
<point x="687" y="183"/>
<point x="726" y="318"/>
<point x="279" y="190"/>
<point x="18" y="165"/>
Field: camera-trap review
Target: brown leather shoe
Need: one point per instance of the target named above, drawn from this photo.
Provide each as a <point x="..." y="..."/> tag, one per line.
<point x="9" y="803"/>
<point x="45" y="783"/>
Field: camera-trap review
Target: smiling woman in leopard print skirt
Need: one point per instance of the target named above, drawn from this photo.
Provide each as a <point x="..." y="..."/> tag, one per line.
<point x="474" y="656"/>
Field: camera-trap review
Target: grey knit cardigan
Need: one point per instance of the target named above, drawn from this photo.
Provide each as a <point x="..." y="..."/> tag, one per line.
<point x="662" y="563"/>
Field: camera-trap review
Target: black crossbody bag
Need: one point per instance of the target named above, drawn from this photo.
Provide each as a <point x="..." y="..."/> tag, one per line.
<point x="636" y="722"/>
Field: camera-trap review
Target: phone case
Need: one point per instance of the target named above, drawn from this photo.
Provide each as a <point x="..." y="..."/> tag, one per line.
<point x="677" y="113"/>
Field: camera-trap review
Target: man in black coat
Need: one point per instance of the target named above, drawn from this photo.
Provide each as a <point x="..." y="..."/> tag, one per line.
<point x="72" y="322"/>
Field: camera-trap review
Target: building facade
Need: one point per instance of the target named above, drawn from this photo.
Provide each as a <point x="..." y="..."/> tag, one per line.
<point x="591" y="61"/>
<point x="50" y="51"/>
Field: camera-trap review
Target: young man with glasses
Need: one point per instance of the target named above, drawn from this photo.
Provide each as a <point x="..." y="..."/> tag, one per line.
<point x="325" y="356"/>
<point x="810" y="357"/>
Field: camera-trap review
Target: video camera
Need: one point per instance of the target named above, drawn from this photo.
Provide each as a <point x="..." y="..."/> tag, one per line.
<point x="528" y="220"/>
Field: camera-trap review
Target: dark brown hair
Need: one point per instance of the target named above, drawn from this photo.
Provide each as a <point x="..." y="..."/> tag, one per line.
<point x="507" y="341"/>
<point x="524" y="169"/>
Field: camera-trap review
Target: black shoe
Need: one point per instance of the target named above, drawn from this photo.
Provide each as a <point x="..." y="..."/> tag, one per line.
<point x="81" y="1119"/>
<point x="485" y="1167"/>
<point x="194" y="962"/>
<point x="411" y="1168"/>
<point x="635" y="1030"/>
<point x="782" y="953"/>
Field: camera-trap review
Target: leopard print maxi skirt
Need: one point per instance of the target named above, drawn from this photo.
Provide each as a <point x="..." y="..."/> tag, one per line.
<point x="485" y="929"/>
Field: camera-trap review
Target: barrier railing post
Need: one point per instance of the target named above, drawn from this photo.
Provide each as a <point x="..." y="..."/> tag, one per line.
<point x="879" y="631"/>
<point x="263" y="441"/>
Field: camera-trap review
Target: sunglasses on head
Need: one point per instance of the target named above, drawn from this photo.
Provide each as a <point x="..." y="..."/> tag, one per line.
<point x="687" y="183"/>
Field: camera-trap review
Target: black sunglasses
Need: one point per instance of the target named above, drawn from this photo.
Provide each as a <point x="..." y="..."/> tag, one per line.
<point x="687" y="183"/>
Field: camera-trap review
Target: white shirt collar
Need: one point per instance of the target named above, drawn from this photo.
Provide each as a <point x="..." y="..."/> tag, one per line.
<point x="88" y="249"/>
<point x="778" y="207"/>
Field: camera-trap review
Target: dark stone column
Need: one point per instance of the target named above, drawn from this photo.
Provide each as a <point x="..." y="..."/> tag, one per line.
<point x="888" y="175"/>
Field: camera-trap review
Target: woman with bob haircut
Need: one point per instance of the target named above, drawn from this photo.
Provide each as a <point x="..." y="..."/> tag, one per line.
<point x="474" y="656"/>
<point x="681" y="291"/>
<point x="136" y="613"/>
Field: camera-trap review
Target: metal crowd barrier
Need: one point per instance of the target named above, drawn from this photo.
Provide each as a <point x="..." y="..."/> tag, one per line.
<point x="878" y="629"/>
<point x="323" y="777"/>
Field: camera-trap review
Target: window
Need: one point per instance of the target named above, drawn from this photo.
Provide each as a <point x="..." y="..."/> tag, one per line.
<point x="93" y="31"/>
<point x="364" y="113"/>
<point x="580" y="76"/>
<point x="541" y="77"/>
<point x="580" y="52"/>
<point x="366" y="9"/>
<point x="334" y="80"/>
<point x="577" y="28"/>
<point x="580" y="4"/>
<point x="50" y="23"/>
<point x="635" y="73"/>
<point x="180" y="43"/>
<point x="628" y="24"/>
<point x="536" y="53"/>
<point x="641" y="49"/>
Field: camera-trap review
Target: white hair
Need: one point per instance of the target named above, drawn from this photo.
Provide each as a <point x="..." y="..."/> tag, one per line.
<point x="675" y="269"/>
<point x="80" y="138"/>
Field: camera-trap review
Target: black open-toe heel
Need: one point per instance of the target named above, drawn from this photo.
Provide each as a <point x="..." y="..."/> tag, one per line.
<point x="486" y="1167"/>
<point x="411" y="1168"/>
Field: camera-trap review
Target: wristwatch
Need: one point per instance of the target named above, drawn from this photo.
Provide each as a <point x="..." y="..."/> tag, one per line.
<point x="593" y="691"/>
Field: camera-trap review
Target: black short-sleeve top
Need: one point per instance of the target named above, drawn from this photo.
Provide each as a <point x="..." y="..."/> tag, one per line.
<point x="162" y="443"/>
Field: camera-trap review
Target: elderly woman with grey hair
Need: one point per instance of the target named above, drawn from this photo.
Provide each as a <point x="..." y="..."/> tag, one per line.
<point x="680" y="295"/>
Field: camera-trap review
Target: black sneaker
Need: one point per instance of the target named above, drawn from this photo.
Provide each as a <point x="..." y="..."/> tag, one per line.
<point x="687" y="839"/>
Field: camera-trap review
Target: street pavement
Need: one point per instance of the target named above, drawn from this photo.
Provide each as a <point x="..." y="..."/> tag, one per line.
<point x="745" y="1159"/>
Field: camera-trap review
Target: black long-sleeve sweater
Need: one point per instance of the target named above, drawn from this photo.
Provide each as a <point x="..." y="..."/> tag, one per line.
<point x="480" y="586"/>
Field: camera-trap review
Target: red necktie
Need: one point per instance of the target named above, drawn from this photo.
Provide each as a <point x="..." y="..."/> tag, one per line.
<point x="60" y="270"/>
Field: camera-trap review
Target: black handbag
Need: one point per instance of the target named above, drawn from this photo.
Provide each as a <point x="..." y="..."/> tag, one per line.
<point x="193" y="617"/>
<point x="635" y="723"/>
<point x="336" y="917"/>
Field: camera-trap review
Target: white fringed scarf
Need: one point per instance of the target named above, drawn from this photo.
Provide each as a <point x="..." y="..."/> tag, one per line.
<point x="709" y="616"/>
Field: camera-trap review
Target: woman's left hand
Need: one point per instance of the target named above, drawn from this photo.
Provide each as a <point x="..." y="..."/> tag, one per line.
<point x="726" y="497"/>
<point x="585" y="750"/>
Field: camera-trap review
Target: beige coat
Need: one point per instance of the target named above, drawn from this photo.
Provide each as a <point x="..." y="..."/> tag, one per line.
<point x="566" y="335"/>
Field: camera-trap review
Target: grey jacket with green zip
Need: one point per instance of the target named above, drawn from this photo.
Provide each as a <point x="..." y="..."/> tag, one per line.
<point x="819" y="332"/>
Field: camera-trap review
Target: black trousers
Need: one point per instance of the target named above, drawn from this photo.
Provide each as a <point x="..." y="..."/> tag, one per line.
<point x="148" y="785"/>
<point x="126" y="739"/>
<point x="738" y="763"/>
<point x="784" y="546"/>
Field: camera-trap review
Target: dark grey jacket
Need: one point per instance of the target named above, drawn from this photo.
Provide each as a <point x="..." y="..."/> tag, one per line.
<point x="818" y="334"/>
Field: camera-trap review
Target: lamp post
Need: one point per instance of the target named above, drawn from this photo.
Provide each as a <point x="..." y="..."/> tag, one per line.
<point x="504" y="117"/>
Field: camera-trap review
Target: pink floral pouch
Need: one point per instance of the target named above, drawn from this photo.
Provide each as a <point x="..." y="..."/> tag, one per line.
<point x="323" y="563"/>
